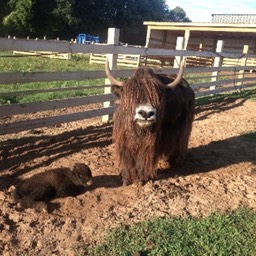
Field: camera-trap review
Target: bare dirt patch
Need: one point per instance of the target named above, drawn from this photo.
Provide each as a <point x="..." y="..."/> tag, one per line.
<point x="219" y="174"/>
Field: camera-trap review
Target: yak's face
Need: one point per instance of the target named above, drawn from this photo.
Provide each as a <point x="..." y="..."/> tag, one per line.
<point x="81" y="175"/>
<point x="142" y="97"/>
<point x="140" y="102"/>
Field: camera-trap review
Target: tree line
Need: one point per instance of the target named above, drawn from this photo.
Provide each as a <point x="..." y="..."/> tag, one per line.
<point x="67" y="18"/>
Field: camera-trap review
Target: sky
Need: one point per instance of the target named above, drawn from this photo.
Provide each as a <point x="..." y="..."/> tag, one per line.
<point x="202" y="10"/>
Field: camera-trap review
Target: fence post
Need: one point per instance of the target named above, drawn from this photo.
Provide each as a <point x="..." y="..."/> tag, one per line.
<point x="179" y="46"/>
<point x="113" y="39"/>
<point x="243" y="63"/>
<point x="217" y="62"/>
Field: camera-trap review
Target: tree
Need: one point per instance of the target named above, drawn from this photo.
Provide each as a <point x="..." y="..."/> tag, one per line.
<point x="39" y="17"/>
<point x="92" y="16"/>
<point x="19" y="19"/>
<point x="67" y="18"/>
<point x="3" y="12"/>
<point x="129" y="16"/>
<point x="53" y="18"/>
<point x="177" y="14"/>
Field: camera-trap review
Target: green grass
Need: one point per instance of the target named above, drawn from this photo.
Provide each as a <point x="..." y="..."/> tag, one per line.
<point x="9" y="63"/>
<point x="219" y="234"/>
<point x="50" y="95"/>
<point x="194" y="78"/>
<point x="243" y="94"/>
<point x="13" y="63"/>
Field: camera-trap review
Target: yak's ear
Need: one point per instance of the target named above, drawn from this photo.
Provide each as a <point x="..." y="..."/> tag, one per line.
<point x="117" y="90"/>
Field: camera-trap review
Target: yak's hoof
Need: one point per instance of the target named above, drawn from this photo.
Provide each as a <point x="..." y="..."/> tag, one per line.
<point x="126" y="182"/>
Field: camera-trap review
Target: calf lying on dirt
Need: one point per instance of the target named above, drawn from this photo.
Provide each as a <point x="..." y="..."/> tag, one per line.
<point x="58" y="182"/>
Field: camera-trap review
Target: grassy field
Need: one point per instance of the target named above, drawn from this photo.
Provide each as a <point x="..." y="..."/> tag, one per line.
<point x="245" y="94"/>
<point x="14" y="63"/>
<point x="20" y="63"/>
<point x="227" y="234"/>
<point x="10" y="63"/>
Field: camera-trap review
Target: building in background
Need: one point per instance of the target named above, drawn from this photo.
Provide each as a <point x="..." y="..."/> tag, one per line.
<point x="235" y="31"/>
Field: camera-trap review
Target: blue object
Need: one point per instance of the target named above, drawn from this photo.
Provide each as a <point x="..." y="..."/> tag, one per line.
<point x="88" y="39"/>
<point x="81" y="38"/>
<point x="96" y="39"/>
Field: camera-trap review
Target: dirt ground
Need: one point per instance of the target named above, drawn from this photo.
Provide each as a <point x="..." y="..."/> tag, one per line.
<point x="219" y="174"/>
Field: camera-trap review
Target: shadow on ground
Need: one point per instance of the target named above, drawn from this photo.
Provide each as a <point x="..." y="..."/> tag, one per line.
<point x="216" y="155"/>
<point x="16" y="152"/>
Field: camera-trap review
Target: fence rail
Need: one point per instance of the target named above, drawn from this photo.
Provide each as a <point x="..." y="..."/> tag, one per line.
<point x="70" y="47"/>
<point x="230" y="75"/>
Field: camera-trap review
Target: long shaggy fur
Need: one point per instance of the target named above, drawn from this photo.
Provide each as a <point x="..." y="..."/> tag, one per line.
<point x="59" y="182"/>
<point x="138" y="150"/>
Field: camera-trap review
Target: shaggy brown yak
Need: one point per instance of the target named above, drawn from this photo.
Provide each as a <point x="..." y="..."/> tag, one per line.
<point x="153" y="121"/>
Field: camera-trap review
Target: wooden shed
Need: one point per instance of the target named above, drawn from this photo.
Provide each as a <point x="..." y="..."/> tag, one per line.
<point x="202" y="36"/>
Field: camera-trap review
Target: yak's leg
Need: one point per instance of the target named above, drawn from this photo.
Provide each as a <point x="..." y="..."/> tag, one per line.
<point x="141" y="176"/>
<point x="132" y="176"/>
<point x="126" y="178"/>
<point x="126" y="165"/>
<point x="145" y="175"/>
<point x="176" y="159"/>
<point x="177" y="156"/>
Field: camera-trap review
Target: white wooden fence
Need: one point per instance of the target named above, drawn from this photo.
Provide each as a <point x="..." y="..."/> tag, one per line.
<point x="219" y="78"/>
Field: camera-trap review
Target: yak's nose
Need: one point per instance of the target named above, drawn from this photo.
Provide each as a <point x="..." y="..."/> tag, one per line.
<point x="146" y="114"/>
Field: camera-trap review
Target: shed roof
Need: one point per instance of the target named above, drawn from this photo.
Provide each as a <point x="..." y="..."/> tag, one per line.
<point x="206" y="29"/>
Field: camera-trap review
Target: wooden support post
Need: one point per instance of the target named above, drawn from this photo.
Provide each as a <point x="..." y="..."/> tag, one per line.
<point x="148" y="36"/>
<point x="179" y="46"/>
<point x="243" y="63"/>
<point x="217" y="62"/>
<point x="186" y="39"/>
<point x="113" y="39"/>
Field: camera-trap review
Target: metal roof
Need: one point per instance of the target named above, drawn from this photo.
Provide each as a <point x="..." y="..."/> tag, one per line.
<point x="234" y="18"/>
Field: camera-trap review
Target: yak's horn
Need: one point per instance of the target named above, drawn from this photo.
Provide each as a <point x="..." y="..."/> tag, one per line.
<point x="110" y="76"/>
<point x="179" y="76"/>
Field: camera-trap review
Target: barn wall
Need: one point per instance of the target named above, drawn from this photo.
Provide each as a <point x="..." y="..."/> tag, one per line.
<point x="205" y="44"/>
<point x="236" y="45"/>
<point x="156" y="39"/>
<point x="170" y="40"/>
<point x="162" y="39"/>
